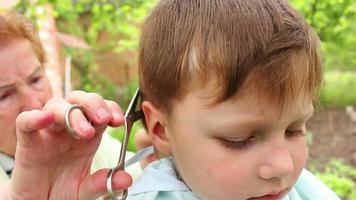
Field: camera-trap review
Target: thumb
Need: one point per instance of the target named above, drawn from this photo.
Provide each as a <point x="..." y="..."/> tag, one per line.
<point x="94" y="186"/>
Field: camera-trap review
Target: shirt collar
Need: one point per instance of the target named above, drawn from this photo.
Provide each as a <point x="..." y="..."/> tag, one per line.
<point x="6" y="162"/>
<point x="158" y="176"/>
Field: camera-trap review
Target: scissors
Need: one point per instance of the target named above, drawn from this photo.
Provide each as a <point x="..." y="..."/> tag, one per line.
<point x="131" y="116"/>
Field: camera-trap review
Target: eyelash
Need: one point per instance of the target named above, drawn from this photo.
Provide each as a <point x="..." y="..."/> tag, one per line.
<point x="239" y="145"/>
<point x="298" y="133"/>
<point x="5" y="95"/>
<point x="36" y="79"/>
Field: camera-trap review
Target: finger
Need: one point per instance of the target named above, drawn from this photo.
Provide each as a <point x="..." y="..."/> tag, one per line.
<point x="142" y="140"/>
<point x="29" y="122"/>
<point x="94" y="186"/>
<point x="118" y="116"/>
<point x="96" y="108"/>
<point x="78" y="121"/>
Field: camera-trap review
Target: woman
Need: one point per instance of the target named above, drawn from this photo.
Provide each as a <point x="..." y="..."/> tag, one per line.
<point x="50" y="164"/>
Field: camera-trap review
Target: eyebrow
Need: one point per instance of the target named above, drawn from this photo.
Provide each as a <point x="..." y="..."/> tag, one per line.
<point x="6" y="86"/>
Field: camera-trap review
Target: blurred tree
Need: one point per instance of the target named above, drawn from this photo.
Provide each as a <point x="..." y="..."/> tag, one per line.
<point x="106" y="25"/>
<point x="332" y="19"/>
<point x="335" y="23"/>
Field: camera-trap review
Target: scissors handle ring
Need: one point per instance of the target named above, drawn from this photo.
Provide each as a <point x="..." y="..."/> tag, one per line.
<point x="109" y="187"/>
<point x="69" y="127"/>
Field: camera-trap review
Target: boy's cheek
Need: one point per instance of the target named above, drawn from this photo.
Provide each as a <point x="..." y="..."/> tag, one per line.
<point x="301" y="162"/>
<point x="306" y="156"/>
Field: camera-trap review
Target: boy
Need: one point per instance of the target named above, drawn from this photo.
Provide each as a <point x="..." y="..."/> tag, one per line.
<point x="227" y="88"/>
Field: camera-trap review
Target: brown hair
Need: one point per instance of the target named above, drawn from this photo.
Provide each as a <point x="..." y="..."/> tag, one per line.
<point x="188" y="40"/>
<point x="14" y="26"/>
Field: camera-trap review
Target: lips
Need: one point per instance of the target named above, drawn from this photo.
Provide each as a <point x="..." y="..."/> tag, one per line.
<point x="271" y="196"/>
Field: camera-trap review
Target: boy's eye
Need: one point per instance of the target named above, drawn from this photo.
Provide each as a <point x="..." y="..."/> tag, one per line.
<point x="295" y="132"/>
<point x="237" y="144"/>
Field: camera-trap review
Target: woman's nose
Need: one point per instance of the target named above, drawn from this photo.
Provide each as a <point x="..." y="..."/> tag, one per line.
<point x="278" y="163"/>
<point x="31" y="100"/>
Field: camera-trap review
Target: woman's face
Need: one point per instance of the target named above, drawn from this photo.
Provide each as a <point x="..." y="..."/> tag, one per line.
<point x="23" y="86"/>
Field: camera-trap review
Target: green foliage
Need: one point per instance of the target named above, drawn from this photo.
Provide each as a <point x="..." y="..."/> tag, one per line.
<point x="341" y="55"/>
<point x="88" y="18"/>
<point x="330" y="18"/>
<point x="90" y="79"/>
<point x="118" y="133"/>
<point x="106" y="25"/>
<point x="340" y="177"/>
<point x="129" y="91"/>
<point x="338" y="89"/>
<point x="335" y="23"/>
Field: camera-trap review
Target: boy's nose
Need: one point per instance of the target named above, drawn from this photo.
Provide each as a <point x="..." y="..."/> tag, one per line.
<point x="277" y="164"/>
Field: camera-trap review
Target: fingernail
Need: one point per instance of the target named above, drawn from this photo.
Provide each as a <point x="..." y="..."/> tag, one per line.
<point x="103" y="114"/>
<point x="85" y="126"/>
<point x="117" y="116"/>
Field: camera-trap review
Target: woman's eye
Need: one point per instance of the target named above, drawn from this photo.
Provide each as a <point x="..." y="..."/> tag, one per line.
<point x="237" y="144"/>
<point x="36" y="79"/>
<point x="4" y="96"/>
<point x="295" y="132"/>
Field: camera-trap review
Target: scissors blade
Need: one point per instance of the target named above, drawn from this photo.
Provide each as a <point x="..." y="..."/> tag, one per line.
<point x="143" y="153"/>
<point x="133" y="103"/>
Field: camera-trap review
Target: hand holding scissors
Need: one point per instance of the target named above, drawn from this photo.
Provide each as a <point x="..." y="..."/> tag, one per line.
<point x="130" y="117"/>
<point x="57" y="164"/>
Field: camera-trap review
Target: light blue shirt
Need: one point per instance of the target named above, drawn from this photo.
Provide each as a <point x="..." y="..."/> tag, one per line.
<point x="159" y="181"/>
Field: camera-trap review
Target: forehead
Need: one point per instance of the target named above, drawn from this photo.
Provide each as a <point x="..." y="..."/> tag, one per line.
<point x="199" y="106"/>
<point x="17" y="59"/>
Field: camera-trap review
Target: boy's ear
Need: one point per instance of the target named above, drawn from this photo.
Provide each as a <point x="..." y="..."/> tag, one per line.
<point x="156" y="125"/>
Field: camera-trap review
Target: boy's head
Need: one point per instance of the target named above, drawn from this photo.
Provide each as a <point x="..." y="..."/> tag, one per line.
<point x="228" y="86"/>
<point x="186" y="44"/>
